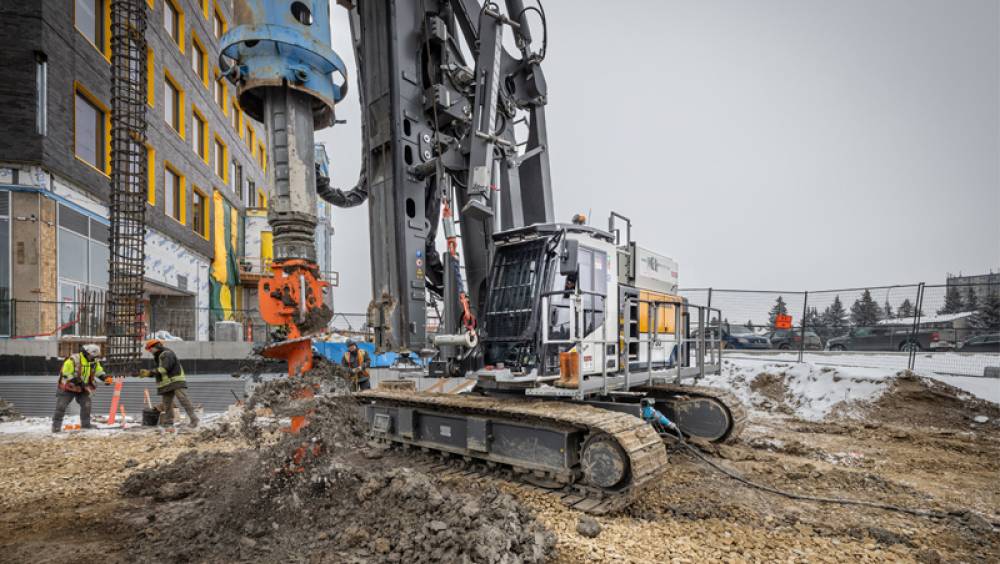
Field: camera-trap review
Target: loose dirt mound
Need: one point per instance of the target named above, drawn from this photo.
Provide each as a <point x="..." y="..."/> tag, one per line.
<point x="8" y="412"/>
<point x="323" y="493"/>
<point x="923" y="402"/>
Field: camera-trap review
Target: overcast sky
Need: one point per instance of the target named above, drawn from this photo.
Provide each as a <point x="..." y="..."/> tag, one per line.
<point x="764" y="145"/>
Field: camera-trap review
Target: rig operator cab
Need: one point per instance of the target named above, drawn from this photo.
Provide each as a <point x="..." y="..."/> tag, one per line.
<point x="558" y="288"/>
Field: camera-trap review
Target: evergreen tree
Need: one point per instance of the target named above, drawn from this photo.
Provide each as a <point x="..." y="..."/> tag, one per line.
<point x="971" y="300"/>
<point x="887" y="313"/>
<point x="811" y="319"/>
<point x="952" y="302"/>
<point x="780" y="308"/>
<point x="865" y="312"/>
<point x="905" y="309"/>
<point x="988" y="315"/>
<point x="833" y="321"/>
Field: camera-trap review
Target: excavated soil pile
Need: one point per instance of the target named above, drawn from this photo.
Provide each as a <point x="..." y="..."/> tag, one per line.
<point x="772" y="391"/>
<point x="324" y="494"/>
<point x="923" y="402"/>
<point x="8" y="412"/>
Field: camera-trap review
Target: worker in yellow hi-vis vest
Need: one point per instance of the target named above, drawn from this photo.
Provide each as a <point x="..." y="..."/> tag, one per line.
<point x="76" y="382"/>
<point x="356" y="362"/>
<point x="170" y="382"/>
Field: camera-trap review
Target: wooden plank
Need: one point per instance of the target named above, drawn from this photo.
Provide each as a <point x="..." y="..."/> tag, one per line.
<point x="465" y="385"/>
<point x="572" y="499"/>
<point x="437" y="386"/>
<point x="587" y="504"/>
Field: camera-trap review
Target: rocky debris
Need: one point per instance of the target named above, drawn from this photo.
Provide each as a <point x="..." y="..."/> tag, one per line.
<point x="8" y="412"/>
<point x="588" y="527"/>
<point x="323" y="493"/>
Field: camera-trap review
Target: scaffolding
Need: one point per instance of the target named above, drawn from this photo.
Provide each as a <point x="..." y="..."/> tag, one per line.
<point x="126" y="268"/>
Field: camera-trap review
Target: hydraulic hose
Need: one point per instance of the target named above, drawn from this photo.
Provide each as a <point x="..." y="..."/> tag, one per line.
<point x="840" y="501"/>
<point x="341" y="198"/>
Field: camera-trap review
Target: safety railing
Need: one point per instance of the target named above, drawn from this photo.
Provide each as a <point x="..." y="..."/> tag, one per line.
<point x="703" y="347"/>
<point x="576" y="331"/>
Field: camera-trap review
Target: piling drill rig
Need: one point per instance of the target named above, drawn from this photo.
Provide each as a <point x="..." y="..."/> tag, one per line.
<point x="564" y="327"/>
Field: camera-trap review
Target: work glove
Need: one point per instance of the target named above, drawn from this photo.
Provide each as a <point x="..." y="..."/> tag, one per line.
<point x="106" y="380"/>
<point x="143" y="373"/>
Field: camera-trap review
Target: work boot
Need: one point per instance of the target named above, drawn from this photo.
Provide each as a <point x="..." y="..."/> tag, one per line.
<point x="193" y="423"/>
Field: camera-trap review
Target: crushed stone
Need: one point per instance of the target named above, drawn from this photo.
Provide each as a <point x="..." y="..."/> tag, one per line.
<point x="323" y="494"/>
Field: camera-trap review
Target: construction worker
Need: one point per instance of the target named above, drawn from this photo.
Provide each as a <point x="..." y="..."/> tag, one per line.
<point x="357" y="362"/>
<point x="170" y="383"/>
<point x="76" y="382"/>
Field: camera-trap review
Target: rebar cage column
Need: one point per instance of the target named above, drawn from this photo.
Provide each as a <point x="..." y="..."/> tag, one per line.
<point x="126" y="268"/>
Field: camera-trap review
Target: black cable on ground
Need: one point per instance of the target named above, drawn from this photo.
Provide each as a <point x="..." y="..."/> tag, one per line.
<point x="840" y="501"/>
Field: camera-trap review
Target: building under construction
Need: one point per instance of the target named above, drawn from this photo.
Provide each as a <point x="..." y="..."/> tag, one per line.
<point x="207" y="240"/>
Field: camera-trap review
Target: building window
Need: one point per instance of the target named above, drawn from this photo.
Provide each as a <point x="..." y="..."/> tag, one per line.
<point x="199" y="139"/>
<point x="151" y="174"/>
<point x="252" y="201"/>
<point x="91" y="20"/>
<point x="199" y="59"/>
<point x="219" y="92"/>
<point x="173" y="22"/>
<point x="91" y="130"/>
<point x="261" y="157"/>
<point x="235" y="182"/>
<point x="41" y="93"/>
<point x="220" y="158"/>
<point x="199" y="212"/>
<point x="83" y="264"/>
<point x="248" y="137"/>
<point x="235" y="118"/>
<point x="173" y="98"/>
<point x="173" y="193"/>
<point x="218" y="23"/>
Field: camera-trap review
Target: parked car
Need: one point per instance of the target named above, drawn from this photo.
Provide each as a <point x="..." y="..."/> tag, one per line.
<point x="735" y="337"/>
<point x="792" y="338"/>
<point x="884" y="339"/>
<point x="740" y="337"/>
<point x="989" y="342"/>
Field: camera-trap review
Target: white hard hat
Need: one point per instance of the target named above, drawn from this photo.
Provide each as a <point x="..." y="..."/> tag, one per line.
<point x="93" y="350"/>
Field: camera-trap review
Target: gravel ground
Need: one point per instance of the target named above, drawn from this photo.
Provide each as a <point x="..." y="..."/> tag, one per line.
<point x="60" y="498"/>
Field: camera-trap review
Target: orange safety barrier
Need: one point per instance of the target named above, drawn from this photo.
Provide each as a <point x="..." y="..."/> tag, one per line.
<point x="115" y="399"/>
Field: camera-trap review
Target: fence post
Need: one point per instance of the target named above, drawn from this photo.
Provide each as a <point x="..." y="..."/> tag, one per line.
<point x="802" y="333"/>
<point x="13" y="317"/>
<point x="911" y="361"/>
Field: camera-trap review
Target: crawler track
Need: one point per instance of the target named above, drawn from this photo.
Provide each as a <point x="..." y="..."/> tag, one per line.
<point x="642" y="447"/>
<point x="676" y="394"/>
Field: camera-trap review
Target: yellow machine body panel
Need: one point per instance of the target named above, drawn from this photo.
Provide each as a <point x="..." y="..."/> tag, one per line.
<point x="664" y="311"/>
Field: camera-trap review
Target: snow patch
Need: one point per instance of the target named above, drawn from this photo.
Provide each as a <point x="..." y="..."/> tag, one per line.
<point x="809" y="392"/>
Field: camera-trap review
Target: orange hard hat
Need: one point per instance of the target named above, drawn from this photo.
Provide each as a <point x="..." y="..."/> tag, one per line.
<point x="152" y="343"/>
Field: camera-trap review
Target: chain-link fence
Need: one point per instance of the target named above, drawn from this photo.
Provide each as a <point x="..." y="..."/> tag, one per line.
<point x="950" y="329"/>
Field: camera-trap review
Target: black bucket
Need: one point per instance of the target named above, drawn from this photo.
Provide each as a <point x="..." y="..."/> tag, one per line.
<point x="150" y="417"/>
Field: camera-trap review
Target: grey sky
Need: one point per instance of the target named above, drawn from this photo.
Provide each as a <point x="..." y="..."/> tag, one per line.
<point x="766" y="144"/>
